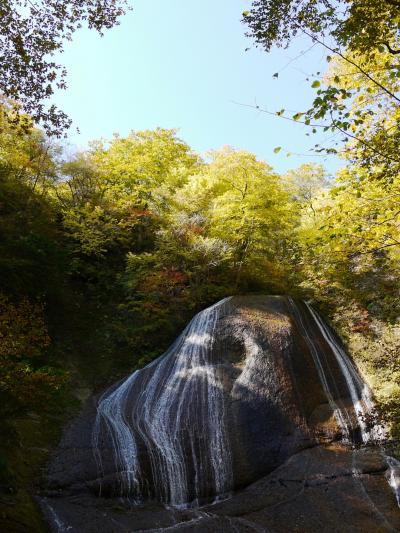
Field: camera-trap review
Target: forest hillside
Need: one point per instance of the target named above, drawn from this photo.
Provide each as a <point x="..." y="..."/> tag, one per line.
<point x="107" y="253"/>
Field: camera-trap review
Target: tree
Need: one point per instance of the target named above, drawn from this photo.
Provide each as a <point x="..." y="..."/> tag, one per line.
<point x="33" y="31"/>
<point x="145" y="167"/>
<point x="363" y="36"/>
<point x="367" y="115"/>
<point x="26" y="383"/>
<point x="115" y="195"/>
<point x="358" y="25"/>
<point x="305" y="183"/>
<point x="28" y="226"/>
<point x="241" y="202"/>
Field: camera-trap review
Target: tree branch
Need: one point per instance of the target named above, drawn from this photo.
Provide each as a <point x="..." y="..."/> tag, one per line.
<point x="336" y="51"/>
<point x="390" y="49"/>
<point x="364" y="143"/>
<point x="376" y="249"/>
<point x="258" y="108"/>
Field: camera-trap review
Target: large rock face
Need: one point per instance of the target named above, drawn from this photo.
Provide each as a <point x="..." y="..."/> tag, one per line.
<point x="253" y="394"/>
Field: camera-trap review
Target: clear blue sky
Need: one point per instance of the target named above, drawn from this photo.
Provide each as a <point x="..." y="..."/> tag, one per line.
<point x="182" y="64"/>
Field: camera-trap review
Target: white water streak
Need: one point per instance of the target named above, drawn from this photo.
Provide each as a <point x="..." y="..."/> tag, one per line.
<point x="360" y="394"/>
<point x="180" y="407"/>
<point x="393" y="476"/>
<point x="359" y="391"/>
<point x="113" y="413"/>
<point x="58" y="524"/>
<point x="340" y="414"/>
<point x="173" y="411"/>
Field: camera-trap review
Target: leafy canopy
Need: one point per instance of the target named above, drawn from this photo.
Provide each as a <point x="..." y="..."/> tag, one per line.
<point x="359" y="25"/>
<point x="362" y="41"/>
<point x="32" y="32"/>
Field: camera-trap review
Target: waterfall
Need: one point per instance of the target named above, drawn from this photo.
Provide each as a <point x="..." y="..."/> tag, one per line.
<point x="170" y="415"/>
<point x="358" y="391"/>
<point x="394" y="476"/>
<point x="112" y="410"/>
<point x="340" y="414"/>
<point x="164" y="426"/>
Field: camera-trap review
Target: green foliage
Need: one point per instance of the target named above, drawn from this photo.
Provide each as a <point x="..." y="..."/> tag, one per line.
<point x="115" y="193"/>
<point x="28" y="230"/>
<point x="25" y="382"/>
<point x="126" y="241"/>
<point x="32" y="32"/>
<point x="144" y="167"/>
<point x="306" y="183"/>
<point x="360" y="25"/>
<point x="358" y="99"/>
<point x="232" y="218"/>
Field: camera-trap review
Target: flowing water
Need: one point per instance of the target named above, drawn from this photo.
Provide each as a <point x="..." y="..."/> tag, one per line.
<point x="177" y="420"/>
<point x="318" y="358"/>
<point x="170" y="415"/>
<point x="394" y="476"/>
<point x="362" y="403"/>
<point x="362" y="420"/>
<point x="359" y="391"/>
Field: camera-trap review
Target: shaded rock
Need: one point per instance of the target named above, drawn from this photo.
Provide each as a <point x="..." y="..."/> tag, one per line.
<point x="283" y="402"/>
<point x="321" y="489"/>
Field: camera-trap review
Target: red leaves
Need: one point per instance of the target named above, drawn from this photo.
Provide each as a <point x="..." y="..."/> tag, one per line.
<point x="362" y="323"/>
<point x="175" y="276"/>
<point x="163" y="280"/>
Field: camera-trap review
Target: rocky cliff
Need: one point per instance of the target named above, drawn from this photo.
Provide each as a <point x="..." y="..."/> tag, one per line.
<point x="254" y="419"/>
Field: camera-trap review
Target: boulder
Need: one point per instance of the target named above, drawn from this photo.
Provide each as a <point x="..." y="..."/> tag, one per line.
<point x="248" y="422"/>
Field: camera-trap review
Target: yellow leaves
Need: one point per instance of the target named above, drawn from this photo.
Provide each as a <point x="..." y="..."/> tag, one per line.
<point x="144" y="161"/>
<point x="297" y="116"/>
<point x="361" y="216"/>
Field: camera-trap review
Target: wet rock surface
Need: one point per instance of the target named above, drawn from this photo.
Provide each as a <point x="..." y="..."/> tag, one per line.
<point x="321" y="489"/>
<point x="289" y="472"/>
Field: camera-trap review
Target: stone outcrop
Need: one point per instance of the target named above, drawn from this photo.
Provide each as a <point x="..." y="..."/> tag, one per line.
<point x="287" y="413"/>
